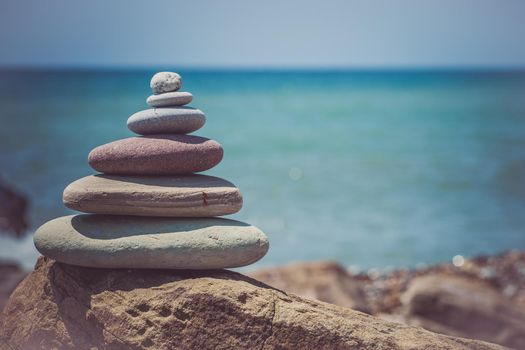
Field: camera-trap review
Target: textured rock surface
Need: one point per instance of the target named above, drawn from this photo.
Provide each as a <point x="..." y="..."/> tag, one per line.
<point x="174" y="196"/>
<point x="156" y="155"/>
<point x="165" y="82"/>
<point x="325" y="281"/>
<point x="66" y="307"/>
<point x="177" y="98"/>
<point x="169" y="120"/>
<point x="464" y="307"/>
<point x="111" y="241"/>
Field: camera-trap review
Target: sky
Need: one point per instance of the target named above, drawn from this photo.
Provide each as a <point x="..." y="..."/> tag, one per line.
<point x="269" y="33"/>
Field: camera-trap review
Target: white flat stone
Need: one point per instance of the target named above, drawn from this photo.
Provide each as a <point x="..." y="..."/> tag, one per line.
<point x="169" y="120"/>
<point x="173" y="196"/>
<point x="165" y="82"/>
<point x="111" y="241"/>
<point x="168" y="99"/>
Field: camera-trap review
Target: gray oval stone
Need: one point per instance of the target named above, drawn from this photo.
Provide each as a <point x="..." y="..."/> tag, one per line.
<point x="168" y="99"/>
<point x="173" y="196"/>
<point x="111" y="241"/>
<point x="165" y="82"/>
<point x="172" y="120"/>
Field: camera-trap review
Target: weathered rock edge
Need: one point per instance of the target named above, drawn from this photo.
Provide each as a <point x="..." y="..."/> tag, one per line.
<point x="66" y="307"/>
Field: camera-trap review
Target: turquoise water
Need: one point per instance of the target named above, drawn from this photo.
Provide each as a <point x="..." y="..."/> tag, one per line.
<point x="370" y="169"/>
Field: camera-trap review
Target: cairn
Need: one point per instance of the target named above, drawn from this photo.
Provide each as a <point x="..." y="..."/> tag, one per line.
<point x="147" y="208"/>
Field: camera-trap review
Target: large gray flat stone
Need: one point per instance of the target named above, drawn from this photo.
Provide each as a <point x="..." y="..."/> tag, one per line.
<point x="110" y="241"/>
<point x="175" y="196"/>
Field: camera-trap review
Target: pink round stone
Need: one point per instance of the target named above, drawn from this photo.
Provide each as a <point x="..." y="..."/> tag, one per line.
<point x="166" y="154"/>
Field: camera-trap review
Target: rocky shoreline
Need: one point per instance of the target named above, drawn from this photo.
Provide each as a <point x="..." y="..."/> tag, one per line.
<point x="60" y="306"/>
<point x="479" y="298"/>
<point x="482" y="298"/>
<point x="504" y="272"/>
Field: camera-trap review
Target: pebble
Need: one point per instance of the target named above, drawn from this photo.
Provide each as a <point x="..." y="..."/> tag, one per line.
<point x="174" y="196"/>
<point x="110" y="241"/>
<point x="165" y="82"/>
<point x="176" y="120"/>
<point x="177" y="98"/>
<point x="167" y="154"/>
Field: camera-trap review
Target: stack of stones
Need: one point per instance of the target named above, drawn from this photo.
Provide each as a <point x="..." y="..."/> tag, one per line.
<point x="148" y="208"/>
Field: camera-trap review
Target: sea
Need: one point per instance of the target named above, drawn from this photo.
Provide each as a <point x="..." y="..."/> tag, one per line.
<point x="372" y="169"/>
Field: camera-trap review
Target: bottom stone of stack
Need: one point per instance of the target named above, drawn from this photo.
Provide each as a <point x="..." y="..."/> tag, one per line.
<point x="111" y="241"/>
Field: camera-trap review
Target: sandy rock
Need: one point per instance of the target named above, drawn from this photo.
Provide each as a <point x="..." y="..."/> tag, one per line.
<point x="112" y="241"/>
<point x="462" y="306"/>
<point x="65" y="307"/>
<point x="177" y="98"/>
<point x="174" y="196"/>
<point x="169" y="120"/>
<point x="156" y="155"/>
<point x="165" y="82"/>
<point x="324" y="281"/>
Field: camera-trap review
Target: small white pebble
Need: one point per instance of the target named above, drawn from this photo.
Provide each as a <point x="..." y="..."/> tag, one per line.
<point x="165" y="82"/>
<point x="458" y="260"/>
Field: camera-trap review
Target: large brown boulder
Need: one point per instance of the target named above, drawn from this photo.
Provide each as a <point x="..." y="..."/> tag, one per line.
<point x="65" y="307"/>
<point x="467" y="307"/>
<point x="325" y="281"/>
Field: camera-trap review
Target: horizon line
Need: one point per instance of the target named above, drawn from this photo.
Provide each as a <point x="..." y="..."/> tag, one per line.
<point x="259" y="68"/>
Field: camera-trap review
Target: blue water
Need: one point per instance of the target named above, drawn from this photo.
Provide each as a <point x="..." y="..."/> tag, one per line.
<point x="370" y="169"/>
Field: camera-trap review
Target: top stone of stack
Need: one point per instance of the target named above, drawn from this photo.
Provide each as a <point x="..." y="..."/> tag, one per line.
<point x="165" y="82"/>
